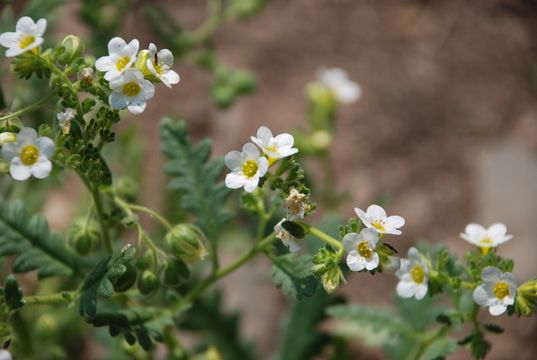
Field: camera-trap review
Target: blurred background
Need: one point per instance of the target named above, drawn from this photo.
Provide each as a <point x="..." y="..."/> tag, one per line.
<point x="445" y="131"/>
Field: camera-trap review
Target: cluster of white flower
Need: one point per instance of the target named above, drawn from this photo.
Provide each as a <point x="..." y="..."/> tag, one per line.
<point x="252" y="163"/>
<point x="338" y="83"/>
<point x="130" y="72"/>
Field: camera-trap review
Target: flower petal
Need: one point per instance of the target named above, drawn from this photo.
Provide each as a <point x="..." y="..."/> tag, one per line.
<point x="10" y="151"/>
<point x="264" y="134"/>
<point x="262" y="166"/>
<point x="9" y="39"/>
<point x="104" y="63"/>
<point x="376" y="212"/>
<point x="372" y="263"/>
<point x="497" y="309"/>
<point x="250" y="151"/>
<point x="395" y="221"/>
<point x="116" y="45"/>
<point x="251" y="184"/>
<point x="490" y="274"/>
<point x="45" y="145"/>
<point x="137" y="107"/>
<point x="355" y="262"/>
<point x="480" y="296"/>
<point x="421" y="290"/>
<point x="42" y="168"/>
<point x="350" y="241"/>
<point x="25" y="25"/>
<point x="406" y="289"/>
<point x="19" y="171"/>
<point x="40" y="27"/>
<point x="233" y="160"/>
<point x="118" y="101"/>
<point x="234" y="181"/>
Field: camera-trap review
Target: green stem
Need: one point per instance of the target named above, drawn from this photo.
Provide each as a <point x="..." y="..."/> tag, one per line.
<point x="52" y="299"/>
<point x="28" y="108"/>
<point x="244" y="258"/>
<point x="429" y="341"/>
<point x="148" y="211"/>
<point x="324" y="237"/>
<point x="100" y="216"/>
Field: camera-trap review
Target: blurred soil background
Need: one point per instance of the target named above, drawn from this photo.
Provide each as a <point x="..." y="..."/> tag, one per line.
<point x="447" y="126"/>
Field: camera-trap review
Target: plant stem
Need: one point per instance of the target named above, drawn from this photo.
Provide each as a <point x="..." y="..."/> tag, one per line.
<point x="429" y="341"/>
<point x="244" y="258"/>
<point x="324" y="237"/>
<point x="52" y="299"/>
<point x="28" y="108"/>
<point x="100" y="216"/>
<point x="146" y="210"/>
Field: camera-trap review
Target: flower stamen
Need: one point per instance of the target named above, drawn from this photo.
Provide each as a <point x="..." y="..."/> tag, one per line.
<point x="29" y="155"/>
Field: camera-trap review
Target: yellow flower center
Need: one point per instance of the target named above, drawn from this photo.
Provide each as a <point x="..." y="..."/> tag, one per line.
<point x="501" y="290"/>
<point x="271" y="148"/>
<point x="249" y="168"/>
<point x="131" y="89"/>
<point x="122" y="62"/>
<point x="26" y="41"/>
<point x="159" y="68"/>
<point x="364" y="250"/>
<point x="29" y="155"/>
<point x="379" y="225"/>
<point x="417" y="274"/>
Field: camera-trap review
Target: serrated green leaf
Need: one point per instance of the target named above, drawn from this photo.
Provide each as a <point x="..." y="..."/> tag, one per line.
<point x="35" y="247"/>
<point x="294" y="276"/>
<point x="105" y="289"/>
<point x="195" y="177"/>
<point x="12" y="293"/>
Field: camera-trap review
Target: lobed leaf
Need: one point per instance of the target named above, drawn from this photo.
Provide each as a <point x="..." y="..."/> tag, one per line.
<point x="294" y="276"/>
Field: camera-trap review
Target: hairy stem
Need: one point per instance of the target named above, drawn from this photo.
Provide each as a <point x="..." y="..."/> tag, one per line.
<point x="324" y="237"/>
<point x="52" y="299"/>
<point x="28" y="108"/>
<point x="424" y="345"/>
<point x="100" y="216"/>
<point x="140" y="208"/>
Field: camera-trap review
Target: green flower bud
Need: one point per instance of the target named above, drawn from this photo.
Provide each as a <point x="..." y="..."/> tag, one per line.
<point x="84" y="236"/>
<point x="148" y="283"/>
<point x="145" y="261"/>
<point x="223" y="95"/>
<point x="331" y="279"/>
<point x="174" y="272"/>
<point x="186" y="242"/>
<point x="125" y="281"/>
<point x="126" y="188"/>
<point x="72" y="49"/>
<point x="526" y="298"/>
<point x="243" y="82"/>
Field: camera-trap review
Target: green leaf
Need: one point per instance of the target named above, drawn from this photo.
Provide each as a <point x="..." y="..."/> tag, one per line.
<point x="294" y="276"/>
<point x="294" y="229"/>
<point x="35" y="247"/>
<point x="12" y="293"/>
<point x="478" y="345"/>
<point x="440" y="348"/>
<point x="301" y="337"/>
<point x="195" y="177"/>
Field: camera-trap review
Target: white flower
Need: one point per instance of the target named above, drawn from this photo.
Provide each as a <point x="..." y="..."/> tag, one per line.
<point x="375" y="218"/>
<point x="497" y="291"/>
<point x="28" y="155"/>
<point x="477" y="235"/>
<point x="5" y="355"/>
<point x="361" y="249"/>
<point x="28" y="36"/>
<point x="337" y="81"/>
<point x="286" y="238"/>
<point x="159" y="64"/>
<point x="276" y="147"/>
<point x="121" y="57"/>
<point x="7" y="137"/>
<point x="413" y="276"/>
<point x="246" y="168"/>
<point x="64" y="119"/>
<point x="131" y="91"/>
<point x="296" y="204"/>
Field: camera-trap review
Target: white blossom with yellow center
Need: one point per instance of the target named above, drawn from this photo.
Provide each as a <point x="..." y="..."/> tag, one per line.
<point x="275" y="147"/>
<point x="337" y="81"/>
<point x="120" y="58"/>
<point x="413" y="276"/>
<point x="361" y="250"/>
<point x="28" y="36"/>
<point x="497" y="290"/>
<point x="160" y="64"/>
<point x="286" y="238"/>
<point x="64" y="119"/>
<point x="29" y="155"/>
<point x="246" y="168"/>
<point x="375" y="218"/>
<point x="131" y="91"/>
<point x="485" y="239"/>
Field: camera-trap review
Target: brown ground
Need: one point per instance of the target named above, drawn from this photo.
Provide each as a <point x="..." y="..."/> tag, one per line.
<point x="447" y="123"/>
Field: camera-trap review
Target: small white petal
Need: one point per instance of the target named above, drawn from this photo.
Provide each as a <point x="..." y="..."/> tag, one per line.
<point x="14" y="51"/>
<point x="497" y="309"/>
<point x="395" y="221"/>
<point x="149" y="89"/>
<point x="10" y="39"/>
<point x="42" y="168"/>
<point x="234" y="181"/>
<point x="355" y="262"/>
<point x="421" y="290"/>
<point x="25" y="25"/>
<point x="251" y="184"/>
<point x="292" y="245"/>
<point x="250" y="151"/>
<point x="262" y="166"/>
<point x="406" y="289"/>
<point x="350" y="241"/>
<point x="171" y="77"/>
<point x="10" y="150"/>
<point x="376" y="212"/>
<point x="490" y="274"/>
<point x="165" y="57"/>
<point x="233" y="160"/>
<point x="372" y="263"/>
<point x="117" y="101"/>
<point x="137" y="107"/>
<point x="116" y="45"/>
<point x="41" y="26"/>
<point x="19" y="171"/>
<point x="480" y="296"/>
<point x="45" y="145"/>
<point x="104" y="63"/>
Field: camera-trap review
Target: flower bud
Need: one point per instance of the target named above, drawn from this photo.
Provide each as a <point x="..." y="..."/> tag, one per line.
<point x="320" y="95"/>
<point x="145" y="261"/>
<point x="186" y="242"/>
<point x="148" y="283"/>
<point x="526" y="298"/>
<point x="126" y="280"/>
<point x="72" y="49"/>
<point x="45" y="326"/>
<point x="84" y="235"/>
<point x="7" y="137"/>
<point x="331" y="279"/>
<point x="174" y="272"/>
<point x="243" y="82"/>
<point x="141" y="64"/>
